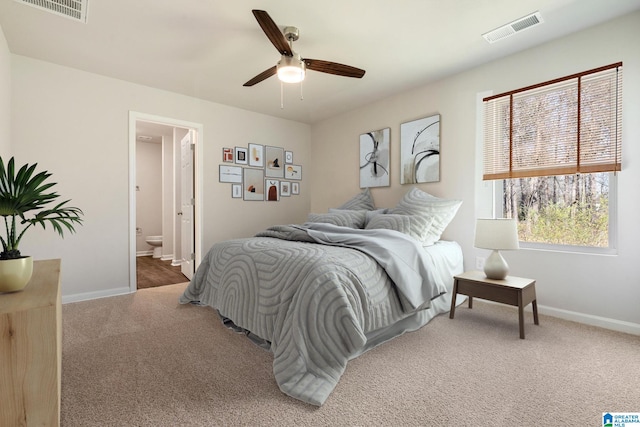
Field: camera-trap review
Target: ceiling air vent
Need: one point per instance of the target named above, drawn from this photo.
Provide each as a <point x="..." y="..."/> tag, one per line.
<point x="74" y="9"/>
<point x="513" y="27"/>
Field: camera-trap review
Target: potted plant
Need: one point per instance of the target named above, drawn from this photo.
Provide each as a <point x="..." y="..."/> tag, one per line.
<point x="23" y="192"/>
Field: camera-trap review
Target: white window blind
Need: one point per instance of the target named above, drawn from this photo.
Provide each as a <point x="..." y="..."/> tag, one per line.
<point x="565" y="126"/>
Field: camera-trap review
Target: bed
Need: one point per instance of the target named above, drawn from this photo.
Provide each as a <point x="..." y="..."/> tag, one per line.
<point x="321" y="293"/>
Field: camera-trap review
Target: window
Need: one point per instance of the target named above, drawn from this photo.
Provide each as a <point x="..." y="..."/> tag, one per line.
<point x="562" y="210"/>
<point x="553" y="149"/>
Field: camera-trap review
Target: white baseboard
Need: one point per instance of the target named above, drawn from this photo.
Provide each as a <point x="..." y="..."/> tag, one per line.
<point x="588" y="319"/>
<point x="168" y="257"/>
<point x="95" y="295"/>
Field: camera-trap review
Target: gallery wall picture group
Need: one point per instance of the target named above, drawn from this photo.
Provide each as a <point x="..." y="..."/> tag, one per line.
<point x="374" y="158"/>
<point x="420" y="150"/>
<point x="260" y="172"/>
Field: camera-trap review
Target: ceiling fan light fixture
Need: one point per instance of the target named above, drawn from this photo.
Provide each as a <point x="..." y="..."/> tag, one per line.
<point x="291" y="69"/>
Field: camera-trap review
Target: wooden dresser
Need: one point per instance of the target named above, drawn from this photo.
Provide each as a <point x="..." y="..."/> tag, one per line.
<point x="31" y="350"/>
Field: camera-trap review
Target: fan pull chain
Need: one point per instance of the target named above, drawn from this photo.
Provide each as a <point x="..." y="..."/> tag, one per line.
<point x="281" y="95"/>
<point x="301" y="95"/>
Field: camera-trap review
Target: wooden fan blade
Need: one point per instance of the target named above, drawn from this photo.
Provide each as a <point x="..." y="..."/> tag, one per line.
<point x="262" y="76"/>
<point x="333" y="68"/>
<point x="273" y="32"/>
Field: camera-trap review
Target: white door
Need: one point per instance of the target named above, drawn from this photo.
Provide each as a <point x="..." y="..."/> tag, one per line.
<point x="187" y="228"/>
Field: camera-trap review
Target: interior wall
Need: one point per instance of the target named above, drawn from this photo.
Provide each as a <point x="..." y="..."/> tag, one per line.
<point x="75" y="124"/>
<point x="5" y="98"/>
<point x="595" y="289"/>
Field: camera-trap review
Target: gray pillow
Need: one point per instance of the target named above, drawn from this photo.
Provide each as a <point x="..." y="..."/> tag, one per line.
<point x="361" y="201"/>
<point x="343" y="219"/>
<point x="358" y="217"/>
<point x="370" y="214"/>
<point x="411" y="225"/>
<point x="428" y="207"/>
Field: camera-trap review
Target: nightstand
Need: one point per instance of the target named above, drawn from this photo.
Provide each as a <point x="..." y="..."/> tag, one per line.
<point x="516" y="291"/>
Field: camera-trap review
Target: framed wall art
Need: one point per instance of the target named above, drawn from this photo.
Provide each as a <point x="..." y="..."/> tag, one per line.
<point x="241" y="156"/>
<point x="227" y="155"/>
<point x="374" y="158"/>
<point x="253" y="184"/>
<point x="420" y="150"/>
<point x="272" y="189"/>
<point x="288" y="157"/>
<point x="230" y="173"/>
<point x="256" y="155"/>
<point x="274" y="162"/>
<point x="285" y="188"/>
<point x="295" y="188"/>
<point x="236" y="191"/>
<point x="293" y="172"/>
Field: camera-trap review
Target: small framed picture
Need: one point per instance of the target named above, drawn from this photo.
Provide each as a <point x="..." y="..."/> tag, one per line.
<point x="241" y="156"/>
<point x="295" y="188"/>
<point x="272" y="189"/>
<point x="285" y="188"/>
<point x="236" y="191"/>
<point x="227" y="155"/>
<point x="256" y="155"/>
<point x="230" y="174"/>
<point x="288" y="157"/>
<point x="293" y="172"/>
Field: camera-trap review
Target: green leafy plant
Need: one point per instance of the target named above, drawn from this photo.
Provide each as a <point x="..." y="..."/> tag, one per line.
<point x="26" y="191"/>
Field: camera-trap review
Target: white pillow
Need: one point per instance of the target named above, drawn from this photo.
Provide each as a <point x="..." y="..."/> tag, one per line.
<point x="439" y="211"/>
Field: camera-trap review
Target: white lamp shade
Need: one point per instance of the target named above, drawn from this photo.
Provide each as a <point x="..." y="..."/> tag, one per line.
<point x="500" y="234"/>
<point x="291" y="69"/>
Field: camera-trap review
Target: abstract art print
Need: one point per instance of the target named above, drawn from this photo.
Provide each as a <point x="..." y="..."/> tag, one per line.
<point x="230" y="173"/>
<point x="227" y="155"/>
<point x="256" y="155"/>
<point x="241" y="156"/>
<point x="236" y="191"/>
<point x="374" y="158"/>
<point x="274" y="162"/>
<point x="253" y="184"/>
<point x="293" y="172"/>
<point x="272" y="187"/>
<point x="285" y="188"/>
<point x="420" y="150"/>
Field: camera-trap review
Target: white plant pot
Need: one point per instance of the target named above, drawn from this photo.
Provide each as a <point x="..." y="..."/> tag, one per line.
<point x="15" y="273"/>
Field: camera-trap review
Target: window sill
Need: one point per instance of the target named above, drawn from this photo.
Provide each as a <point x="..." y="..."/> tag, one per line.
<point x="569" y="249"/>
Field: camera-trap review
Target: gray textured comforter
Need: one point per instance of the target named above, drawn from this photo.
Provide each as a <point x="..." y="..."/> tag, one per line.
<point x="315" y="297"/>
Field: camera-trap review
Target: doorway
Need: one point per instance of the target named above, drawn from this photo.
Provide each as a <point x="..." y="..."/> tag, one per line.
<point x="181" y="247"/>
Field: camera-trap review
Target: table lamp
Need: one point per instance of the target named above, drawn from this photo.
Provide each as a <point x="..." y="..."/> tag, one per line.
<point x="496" y="234"/>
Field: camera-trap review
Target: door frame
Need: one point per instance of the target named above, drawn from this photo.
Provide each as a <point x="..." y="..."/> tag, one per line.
<point x="134" y="117"/>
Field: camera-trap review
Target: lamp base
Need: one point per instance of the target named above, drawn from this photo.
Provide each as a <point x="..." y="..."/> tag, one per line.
<point x="496" y="267"/>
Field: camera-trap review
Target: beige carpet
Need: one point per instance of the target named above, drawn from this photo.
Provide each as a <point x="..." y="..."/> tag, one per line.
<point x="144" y="360"/>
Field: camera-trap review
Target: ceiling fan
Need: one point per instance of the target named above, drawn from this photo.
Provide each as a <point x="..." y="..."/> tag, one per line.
<point x="292" y="67"/>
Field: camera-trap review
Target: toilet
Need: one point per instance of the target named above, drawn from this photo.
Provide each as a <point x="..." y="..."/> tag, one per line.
<point x="156" y="242"/>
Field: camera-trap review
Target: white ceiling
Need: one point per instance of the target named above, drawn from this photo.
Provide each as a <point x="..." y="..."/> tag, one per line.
<point x="209" y="48"/>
